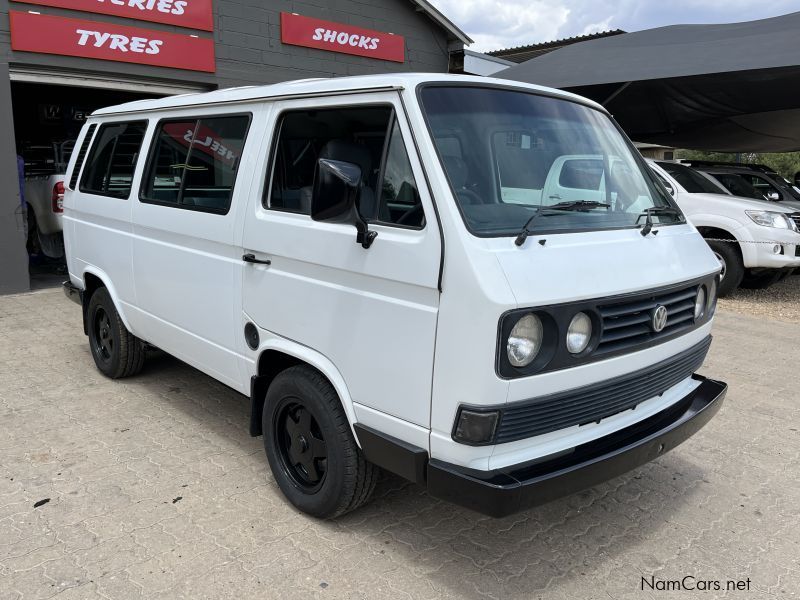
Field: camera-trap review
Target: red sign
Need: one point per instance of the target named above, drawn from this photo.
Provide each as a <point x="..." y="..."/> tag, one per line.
<point x="205" y="139"/>
<point x="88" y="39"/>
<point x="337" y="37"/>
<point x="195" y="14"/>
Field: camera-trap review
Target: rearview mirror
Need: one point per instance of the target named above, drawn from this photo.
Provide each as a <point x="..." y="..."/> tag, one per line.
<point x="334" y="198"/>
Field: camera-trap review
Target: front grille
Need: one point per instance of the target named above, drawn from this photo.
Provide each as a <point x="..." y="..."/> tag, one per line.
<point x="796" y="218"/>
<point x="627" y="323"/>
<point x="594" y="402"/>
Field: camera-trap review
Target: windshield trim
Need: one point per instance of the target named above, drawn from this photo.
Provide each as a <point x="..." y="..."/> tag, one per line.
<point x="637" y="156"/>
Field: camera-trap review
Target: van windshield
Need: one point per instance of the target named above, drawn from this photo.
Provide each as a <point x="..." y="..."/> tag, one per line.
<point x="509" y="154"/>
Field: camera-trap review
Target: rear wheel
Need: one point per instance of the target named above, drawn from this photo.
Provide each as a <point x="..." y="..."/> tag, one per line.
<point x="731" y="264"/>
<point x="116" y="351"/>
<point x="312" y="453"/>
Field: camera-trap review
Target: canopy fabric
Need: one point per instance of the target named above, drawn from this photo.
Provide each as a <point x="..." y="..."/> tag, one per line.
<point x="732" y="87"/>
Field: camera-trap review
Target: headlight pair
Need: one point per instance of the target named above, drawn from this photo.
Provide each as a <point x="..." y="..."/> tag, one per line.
<point x="525" y="340"/>
<point x="769" y="218"/>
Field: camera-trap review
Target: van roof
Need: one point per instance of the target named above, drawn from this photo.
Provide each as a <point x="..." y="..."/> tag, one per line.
<point x="322" y="86"/>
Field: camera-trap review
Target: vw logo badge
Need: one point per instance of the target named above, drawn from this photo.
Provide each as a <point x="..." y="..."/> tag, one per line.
<point x="658" y="318"/>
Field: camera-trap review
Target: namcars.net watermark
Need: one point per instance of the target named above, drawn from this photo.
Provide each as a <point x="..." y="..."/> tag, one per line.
<point x="690" y="583"/>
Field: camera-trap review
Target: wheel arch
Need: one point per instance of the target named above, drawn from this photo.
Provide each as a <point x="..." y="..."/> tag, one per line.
<point x="708" y="231"/>
<point x="275" y="356"/>
<point x="93" y="279"/>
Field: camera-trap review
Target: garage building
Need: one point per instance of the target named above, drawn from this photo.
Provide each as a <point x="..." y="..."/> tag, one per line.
<point x="62" y="59"/>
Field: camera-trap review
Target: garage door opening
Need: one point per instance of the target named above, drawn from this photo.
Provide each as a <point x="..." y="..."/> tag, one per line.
<point x="47" y="120"/>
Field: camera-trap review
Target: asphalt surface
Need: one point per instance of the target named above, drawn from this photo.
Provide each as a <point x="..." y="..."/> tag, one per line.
<point x="151" y="487"/>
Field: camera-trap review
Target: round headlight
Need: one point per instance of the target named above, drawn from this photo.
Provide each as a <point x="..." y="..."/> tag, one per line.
<point x="525" y="341"/>
<point x="579" y="333"/>
<point x="700" y="302"/>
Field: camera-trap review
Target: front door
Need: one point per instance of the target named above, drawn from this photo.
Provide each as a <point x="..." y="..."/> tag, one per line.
<point x="372" y="312"/>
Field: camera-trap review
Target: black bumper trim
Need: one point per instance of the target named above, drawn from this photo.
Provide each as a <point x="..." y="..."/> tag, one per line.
<point x="73" y="292"/>
<point x="503" y="492"/>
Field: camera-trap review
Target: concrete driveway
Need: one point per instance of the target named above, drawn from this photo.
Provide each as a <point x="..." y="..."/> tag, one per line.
<point x="152" y="488"/>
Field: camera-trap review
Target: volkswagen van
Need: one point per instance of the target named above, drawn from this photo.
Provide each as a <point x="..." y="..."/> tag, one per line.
<point x="428" y="274"/>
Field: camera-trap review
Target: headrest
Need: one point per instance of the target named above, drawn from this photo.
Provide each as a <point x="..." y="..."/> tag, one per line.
<point x="456" y="171"/>
<point x="349" y="152"/>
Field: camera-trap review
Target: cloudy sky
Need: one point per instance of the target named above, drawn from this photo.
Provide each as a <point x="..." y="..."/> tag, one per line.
<point x="495" y="24"/>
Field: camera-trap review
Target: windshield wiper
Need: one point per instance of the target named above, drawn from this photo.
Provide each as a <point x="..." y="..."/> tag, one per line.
<point x="656" y="210"/>
<point x="556" y="209"/>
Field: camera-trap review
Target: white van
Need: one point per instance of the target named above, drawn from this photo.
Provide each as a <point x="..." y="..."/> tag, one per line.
<point x="343" y="252"/>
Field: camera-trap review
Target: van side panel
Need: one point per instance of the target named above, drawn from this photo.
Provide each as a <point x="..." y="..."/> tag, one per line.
<point x="99" y="237"/>
<point x="187" y="268"/>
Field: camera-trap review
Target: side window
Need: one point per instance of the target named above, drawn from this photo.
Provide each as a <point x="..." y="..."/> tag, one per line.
<point x="367" y="136"/>
<point x="194" y="163"/>
<point x="112" y="159"/>
<point x="399" y="203"/>
<point x="763" y="186"/>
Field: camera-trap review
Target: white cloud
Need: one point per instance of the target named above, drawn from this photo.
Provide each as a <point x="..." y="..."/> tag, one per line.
<point x="495" y="24"/>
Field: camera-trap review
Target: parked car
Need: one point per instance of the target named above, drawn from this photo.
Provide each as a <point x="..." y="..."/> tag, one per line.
<point x="381" y="264"/>
<point x="45" y="166"/>
<point x="756" y="242"/>
<point x="763" y="179"/>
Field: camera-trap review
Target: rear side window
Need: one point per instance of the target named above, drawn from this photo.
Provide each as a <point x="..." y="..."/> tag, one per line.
<point x="112" y="159"/>
<point x="73" y="180"/>
<point x="194" y="163"/>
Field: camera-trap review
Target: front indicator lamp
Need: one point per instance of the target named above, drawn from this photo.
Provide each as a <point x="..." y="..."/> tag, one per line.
<point x="475" y="427"/>
<point x="700" y="302"/>
<point x="525" y="340"/>
<point x="579" y="333"/>
<point x="712" y="298"/>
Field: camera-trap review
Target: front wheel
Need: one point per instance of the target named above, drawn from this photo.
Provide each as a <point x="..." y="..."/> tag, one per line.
<point x="116" y="351"/>
<point x="732" y="267"/>
<point x="311" y="451"/>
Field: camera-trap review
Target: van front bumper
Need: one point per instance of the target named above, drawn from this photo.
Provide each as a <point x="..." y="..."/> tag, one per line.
<point x="505" y="491"/>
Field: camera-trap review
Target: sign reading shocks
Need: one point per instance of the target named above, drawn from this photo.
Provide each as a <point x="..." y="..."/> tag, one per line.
<point x="337" y="37"/>
<point x="106" y="41"/>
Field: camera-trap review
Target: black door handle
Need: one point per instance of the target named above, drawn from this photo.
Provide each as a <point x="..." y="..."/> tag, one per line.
<point x="251" y="258"/>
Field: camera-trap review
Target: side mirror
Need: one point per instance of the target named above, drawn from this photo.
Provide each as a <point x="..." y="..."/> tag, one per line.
<point x="334" y="198"/>
<point x="774" y="196"/>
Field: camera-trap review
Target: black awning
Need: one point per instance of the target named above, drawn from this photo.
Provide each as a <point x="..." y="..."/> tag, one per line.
<point x="732" y="87"/>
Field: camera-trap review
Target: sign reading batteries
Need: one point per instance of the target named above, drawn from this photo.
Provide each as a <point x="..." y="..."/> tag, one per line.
<point x="90" y="39"/>
<point x="337" y="37"/>
<point x="195" y="14"/>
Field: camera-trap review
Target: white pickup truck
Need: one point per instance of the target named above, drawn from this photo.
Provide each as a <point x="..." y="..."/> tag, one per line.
<point x="756" y="241"/>
<point x="45" y="166"/>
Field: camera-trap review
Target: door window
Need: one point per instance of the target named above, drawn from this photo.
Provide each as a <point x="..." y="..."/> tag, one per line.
<point x="367" y="136"/>
<point x="112" y="160"/>
<point x="194" y="163"/>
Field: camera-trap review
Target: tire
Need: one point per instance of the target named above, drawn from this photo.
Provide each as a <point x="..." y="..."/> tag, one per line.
<point x="312" y="453"/>
<point x="762" y="281"/>
<point x="728" y="255"/>
<point x="116" y="351"/>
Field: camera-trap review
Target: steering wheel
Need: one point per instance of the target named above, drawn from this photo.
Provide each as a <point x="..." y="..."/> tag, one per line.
<point x="468" y="196"/>
<point x="406" y="216"/>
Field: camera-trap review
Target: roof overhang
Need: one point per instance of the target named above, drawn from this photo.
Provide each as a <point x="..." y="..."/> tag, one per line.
<point x="442" y="21"/>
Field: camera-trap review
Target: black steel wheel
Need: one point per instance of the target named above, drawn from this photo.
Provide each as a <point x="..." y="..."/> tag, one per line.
<point x="311" y="450"/>
<point x="116" y="352"/>
<point x="302" y="448"/>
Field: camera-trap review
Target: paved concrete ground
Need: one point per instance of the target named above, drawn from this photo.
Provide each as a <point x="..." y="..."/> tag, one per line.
<point x="156" y="491"/>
